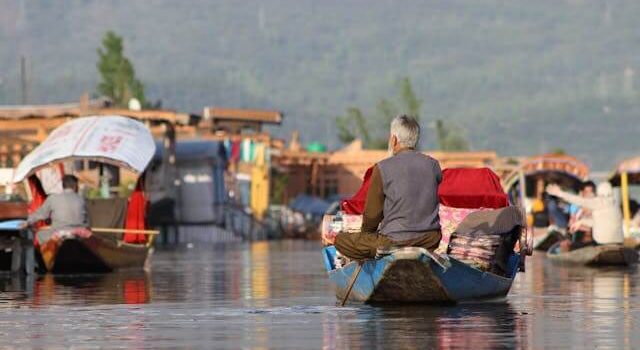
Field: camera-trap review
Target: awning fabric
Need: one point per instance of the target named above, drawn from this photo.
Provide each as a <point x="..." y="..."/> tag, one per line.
<point x="116" y="140"/>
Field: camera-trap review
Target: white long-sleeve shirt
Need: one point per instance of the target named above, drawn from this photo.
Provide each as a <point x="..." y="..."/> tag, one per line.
<point x="606" y="216"/>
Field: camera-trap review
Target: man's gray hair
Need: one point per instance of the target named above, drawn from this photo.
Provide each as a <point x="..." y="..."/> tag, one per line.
<point x="407" y="130"/>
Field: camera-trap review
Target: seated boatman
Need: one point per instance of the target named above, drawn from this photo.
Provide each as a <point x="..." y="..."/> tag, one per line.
<point x="401" y="208"/>
<point x="66" y="210"/>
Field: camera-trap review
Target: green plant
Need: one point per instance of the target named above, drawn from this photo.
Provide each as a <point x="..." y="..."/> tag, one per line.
<point x="118" y="77"/>
<point x="372" y="129"/>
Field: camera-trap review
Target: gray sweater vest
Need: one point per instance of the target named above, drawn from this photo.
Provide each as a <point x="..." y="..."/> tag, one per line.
<point x="410" y="183"/>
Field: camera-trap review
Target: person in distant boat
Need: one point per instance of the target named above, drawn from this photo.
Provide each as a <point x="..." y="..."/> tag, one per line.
<point x="401" y="208"/>
<point x="605" y="220"/>
<point x="557" y="211"/>
<point x="66" y="210"/>
<point x="576" y="212"/>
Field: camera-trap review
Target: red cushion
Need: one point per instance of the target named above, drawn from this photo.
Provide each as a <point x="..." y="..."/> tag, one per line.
<point x="460" y="188"/>
<point x="471" y="188"/>
<point x="355" y="205"/>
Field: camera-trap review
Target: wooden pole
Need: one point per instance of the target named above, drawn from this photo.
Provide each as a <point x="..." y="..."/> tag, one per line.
<point x="522" y="187"/>
<point x="117" y="230"/>
<point x="353" y="281"/>
<point x="23" y="81"/>
<point x="124" y="230"/>
<point x="624" y="188"/>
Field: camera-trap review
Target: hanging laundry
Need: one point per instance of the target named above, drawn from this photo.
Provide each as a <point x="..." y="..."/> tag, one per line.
<point x="259" y="154"/>
<point x="235" y="151"/>
<point x="246" y="154"/>
<point x="227" y="147"/>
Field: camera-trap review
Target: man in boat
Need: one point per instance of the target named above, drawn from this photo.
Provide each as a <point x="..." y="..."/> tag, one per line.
<point x="605" y="220"/>
<point x="66" y="210"/>
<point x="577" y="214"/>
<point x="401" y="208"/>
<point x="557" y="210"/>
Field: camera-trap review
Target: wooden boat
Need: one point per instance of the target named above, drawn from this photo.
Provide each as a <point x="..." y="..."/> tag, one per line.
<point x="632" y="242"/>
<point x="74" y="252"/>
<point x="568" y="171"/>
<point x="415" y="275"/>
<point x="16" y="248"/>
<point x="526" y="183"/>
<point x="625" y="175"/>
<point x="122" y="240"/>
<point x="601" y="255"/>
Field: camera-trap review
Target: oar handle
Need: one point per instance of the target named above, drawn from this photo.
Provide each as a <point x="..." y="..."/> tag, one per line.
<point x="117" y="230"/>
<point x="124" y="230"/>
<point x="354" y="277"/>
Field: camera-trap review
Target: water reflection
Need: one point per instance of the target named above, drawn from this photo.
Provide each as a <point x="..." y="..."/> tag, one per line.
<point x="477" y="326"/>
<point x="121" y="287"/>
<point x="276" y="294"/>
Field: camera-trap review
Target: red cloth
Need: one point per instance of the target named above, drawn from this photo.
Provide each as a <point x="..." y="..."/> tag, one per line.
<point x="471" y="188"/>
<point x="355" y="205"/>
<point x="38" y="196"/>
<point x="460" y="188"/>
<point x="135" y="215"/>
<point x="235" y="151"/>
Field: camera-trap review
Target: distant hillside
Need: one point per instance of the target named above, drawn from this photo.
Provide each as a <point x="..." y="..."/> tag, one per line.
<point x="519" y="77"/>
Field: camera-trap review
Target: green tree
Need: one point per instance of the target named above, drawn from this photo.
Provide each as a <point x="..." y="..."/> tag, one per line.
<point x="118" y="77"/>
<point x="450" y="138"/>
<point x="373" y="130"/>
<point x="411" y="103"/>
<point x="352" y="126"/>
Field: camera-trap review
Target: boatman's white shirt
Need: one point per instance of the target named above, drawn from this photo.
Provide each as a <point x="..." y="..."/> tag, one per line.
<point x="606" y="216"/>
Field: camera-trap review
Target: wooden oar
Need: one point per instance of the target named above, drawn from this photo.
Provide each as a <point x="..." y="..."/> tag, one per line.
<point x="117" y="230"/>
<point x="351" y="283"/>
<point x="124" y="230"/>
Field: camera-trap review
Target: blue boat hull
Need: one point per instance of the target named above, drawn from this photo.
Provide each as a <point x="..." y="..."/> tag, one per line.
<point x="417" y="278"/>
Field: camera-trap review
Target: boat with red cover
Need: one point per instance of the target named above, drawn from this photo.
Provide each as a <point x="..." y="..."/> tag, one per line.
<point x="416" y="275"/>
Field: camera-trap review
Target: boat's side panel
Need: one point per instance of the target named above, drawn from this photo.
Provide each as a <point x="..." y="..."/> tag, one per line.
<point x="463" y="282"/>
<point x="417" y="280"/>
<point x="369" y="277"/>
<point x="90" y="254"/>
<point x="49" y="253"/>
<point x="117" y="255"/>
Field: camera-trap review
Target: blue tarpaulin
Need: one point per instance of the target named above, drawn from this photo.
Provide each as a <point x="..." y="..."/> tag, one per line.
<point x="11" y="225"/>
<point x="309" y="205"/>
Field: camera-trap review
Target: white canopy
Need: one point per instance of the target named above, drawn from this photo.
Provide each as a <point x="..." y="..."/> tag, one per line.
<point x="116" y="140"/>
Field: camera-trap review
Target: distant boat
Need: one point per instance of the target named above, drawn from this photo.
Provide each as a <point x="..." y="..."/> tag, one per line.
<point x="413" y="275"/>
<point x="94" y="252"/>
<point x="601" y="255"/>
<point x="121" y="240"/>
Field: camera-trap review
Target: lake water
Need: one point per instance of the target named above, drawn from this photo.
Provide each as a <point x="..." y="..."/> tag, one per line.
<point x="276" y="295"/>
